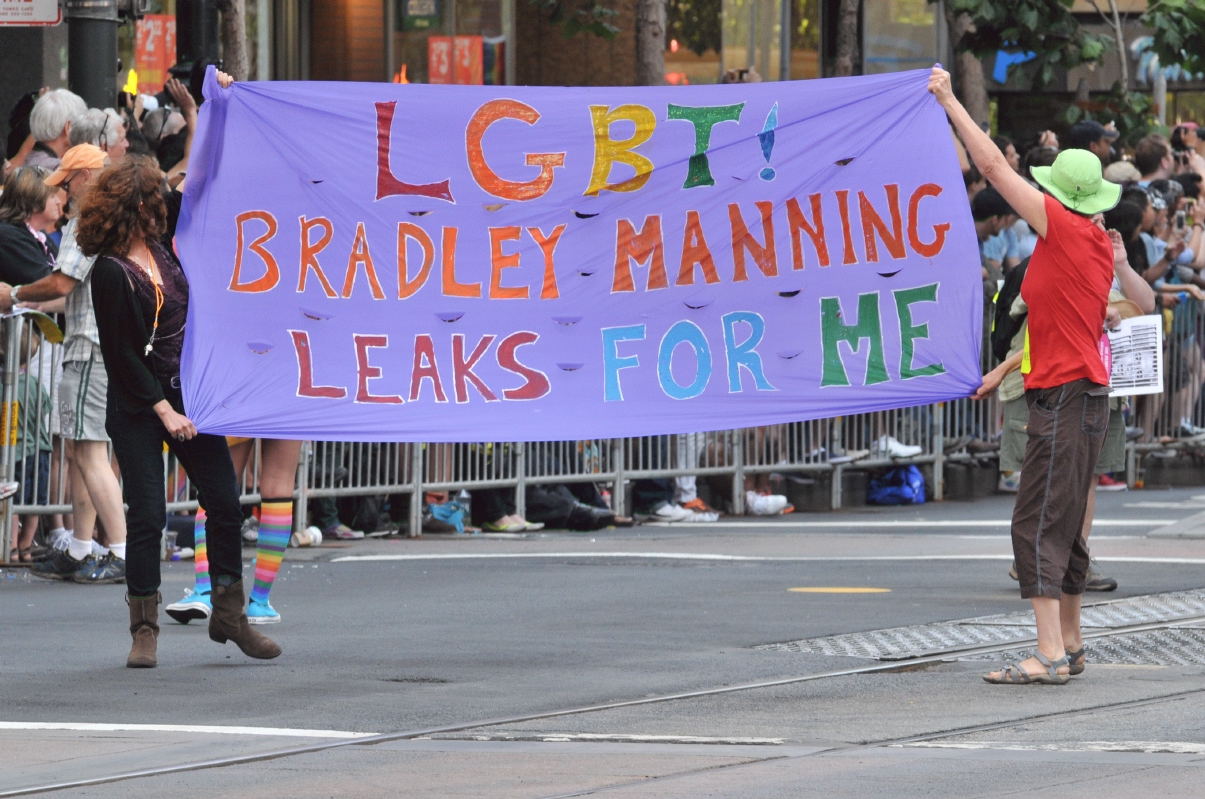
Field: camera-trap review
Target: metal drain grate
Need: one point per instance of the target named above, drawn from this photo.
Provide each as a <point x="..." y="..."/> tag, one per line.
<point x="900" y="642"/>
<point x="1183" y="646"/>
<point x="1146" y="609"/>
<point x="917" y="640"/>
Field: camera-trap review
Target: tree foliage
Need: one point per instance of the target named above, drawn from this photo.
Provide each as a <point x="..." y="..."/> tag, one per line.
<point x="1044" y="27"/>
<point x="1130" y="112"/>
<point x="577" y="16"/>
<point x="695" y="24"/>
<point x="1178" y="30"/>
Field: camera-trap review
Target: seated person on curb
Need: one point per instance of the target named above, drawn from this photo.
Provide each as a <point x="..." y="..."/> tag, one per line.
<point x="561" y="506"/>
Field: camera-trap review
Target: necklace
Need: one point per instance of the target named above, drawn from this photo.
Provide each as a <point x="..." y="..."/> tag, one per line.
<point x="150" y="273"/>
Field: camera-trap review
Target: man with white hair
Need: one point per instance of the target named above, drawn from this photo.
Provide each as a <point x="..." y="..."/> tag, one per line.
<point x="50" y="126"/>
<point x="104" y="129"/>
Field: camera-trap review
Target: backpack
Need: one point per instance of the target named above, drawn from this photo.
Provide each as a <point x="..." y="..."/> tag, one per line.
<point x="903" y="485"/>
<point x="1004" y="327"/>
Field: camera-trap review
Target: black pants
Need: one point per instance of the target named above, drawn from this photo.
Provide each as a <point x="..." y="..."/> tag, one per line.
<point x="138" y="438"/>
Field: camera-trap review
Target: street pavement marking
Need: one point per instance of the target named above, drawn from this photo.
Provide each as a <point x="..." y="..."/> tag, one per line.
<point x="722" y="558"/>
<point x="1145" y="747"/>
<point x="83" y="727"/>
<point x="839" y="590"/>
<point x="558" y="737"/>
<point x="903" y="523"/>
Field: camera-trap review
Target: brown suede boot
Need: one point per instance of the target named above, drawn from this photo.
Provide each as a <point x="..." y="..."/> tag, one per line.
<point x="229" y="623"/>
<point x="144" y="628"/>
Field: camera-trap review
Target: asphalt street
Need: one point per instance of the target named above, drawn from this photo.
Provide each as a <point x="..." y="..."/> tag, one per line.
<point x="432" y="637"/>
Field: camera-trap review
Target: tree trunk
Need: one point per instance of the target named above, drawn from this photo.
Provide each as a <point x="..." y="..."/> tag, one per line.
<point x="650" y="42"/>
<point x="969" y="84"/>
<point x="972" y="89"/>
<point x="233" y="34"/>
<point x="847" y="38"/>
<point x="1120" y="39"/>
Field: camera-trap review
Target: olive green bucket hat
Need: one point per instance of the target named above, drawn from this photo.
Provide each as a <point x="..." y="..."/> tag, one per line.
<point x="1075" y="180"/>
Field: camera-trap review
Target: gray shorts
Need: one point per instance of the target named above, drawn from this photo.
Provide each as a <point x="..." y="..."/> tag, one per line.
<point x="83" y="397"/>
<point x="1015" y="435"/>
<point x="1113" y="454"/>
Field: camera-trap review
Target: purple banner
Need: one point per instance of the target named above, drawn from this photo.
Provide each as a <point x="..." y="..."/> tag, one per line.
<point x="456" y="263"/>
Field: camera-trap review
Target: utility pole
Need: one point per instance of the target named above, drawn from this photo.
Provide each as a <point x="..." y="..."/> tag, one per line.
<point x="92" y="51"/>
<point x="196" y="34"/>
<point x="92" y="61"/>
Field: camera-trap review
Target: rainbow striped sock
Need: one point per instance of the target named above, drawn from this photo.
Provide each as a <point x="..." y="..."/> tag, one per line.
<point x="275" y="527"/>
<point x="202" y="555"/>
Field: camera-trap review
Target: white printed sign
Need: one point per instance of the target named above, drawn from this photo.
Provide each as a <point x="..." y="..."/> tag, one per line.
<point x="1137" y="346"/>
<point x="30" y="12"/>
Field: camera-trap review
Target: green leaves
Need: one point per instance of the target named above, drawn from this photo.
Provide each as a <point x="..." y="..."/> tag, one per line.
<point x="1044" y="27"/>
<point x="1131" y="112"/>
<point x="1178" y="29"/>
<point x="695" y="24"/>
<point x="577" y="16"/>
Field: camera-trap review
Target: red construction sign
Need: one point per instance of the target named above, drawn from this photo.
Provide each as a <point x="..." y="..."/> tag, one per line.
<point x="154" y="51"/>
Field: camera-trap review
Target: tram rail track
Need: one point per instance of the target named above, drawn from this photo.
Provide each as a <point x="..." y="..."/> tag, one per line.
<point x="885" y="666"/>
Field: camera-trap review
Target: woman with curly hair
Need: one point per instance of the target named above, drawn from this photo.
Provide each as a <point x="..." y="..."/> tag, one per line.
<point x="141" y="299"/>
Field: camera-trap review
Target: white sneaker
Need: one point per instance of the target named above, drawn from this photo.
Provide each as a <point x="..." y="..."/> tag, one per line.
<point x="701" y="516"/>
<point x="251" y="530"/>
<point x="98" y="551"/>
<point x="60" y="539"/>
<point x="764" y="504"/>
<point x="894" y="449"/>
<point x="1009" y="483"/>
<point x="670" y="512"/>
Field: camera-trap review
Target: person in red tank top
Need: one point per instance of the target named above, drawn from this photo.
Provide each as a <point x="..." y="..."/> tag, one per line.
<point x="1066" y="384"/>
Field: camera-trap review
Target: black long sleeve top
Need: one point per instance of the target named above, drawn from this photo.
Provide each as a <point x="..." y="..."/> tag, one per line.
<point x="124" y="321"/>
<point x="123" y="331"/>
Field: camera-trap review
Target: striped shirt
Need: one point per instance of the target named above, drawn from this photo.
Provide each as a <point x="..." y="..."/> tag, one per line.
<point x="82" y="339"/>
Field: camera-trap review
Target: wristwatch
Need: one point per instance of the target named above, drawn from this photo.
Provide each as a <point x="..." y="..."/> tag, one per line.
<point x="13" y="295"/>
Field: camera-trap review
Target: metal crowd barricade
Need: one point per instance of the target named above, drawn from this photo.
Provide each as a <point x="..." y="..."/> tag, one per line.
<point x="341" y="469"/>
<point x="1161" y="417"/>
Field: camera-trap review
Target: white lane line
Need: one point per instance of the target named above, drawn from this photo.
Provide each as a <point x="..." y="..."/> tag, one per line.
<point x="1145" y="747"/>
<point x="712" y="557"/>
<point x="556" y="737"/>
<point x="918" y="523"/>
<point x="85" y="727"/>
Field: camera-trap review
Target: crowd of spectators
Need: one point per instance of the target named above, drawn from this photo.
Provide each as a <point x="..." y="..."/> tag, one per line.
<point x="1162" y="222"/>
<point x="56" y="148"/>
<point x="1158" y="229"/>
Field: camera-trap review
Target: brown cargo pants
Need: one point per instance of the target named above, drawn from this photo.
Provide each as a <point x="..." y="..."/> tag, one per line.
<point x="1067" y="426"/>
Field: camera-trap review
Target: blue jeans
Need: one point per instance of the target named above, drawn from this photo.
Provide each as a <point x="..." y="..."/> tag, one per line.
<point x="33" y="473"/>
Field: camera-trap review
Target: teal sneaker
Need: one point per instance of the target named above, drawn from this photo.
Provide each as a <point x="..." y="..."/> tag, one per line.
<point x="261" y="613"/>
<point x="192" y="606"/>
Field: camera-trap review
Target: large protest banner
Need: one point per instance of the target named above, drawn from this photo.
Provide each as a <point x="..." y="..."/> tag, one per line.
<point x="458" y="263"/>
